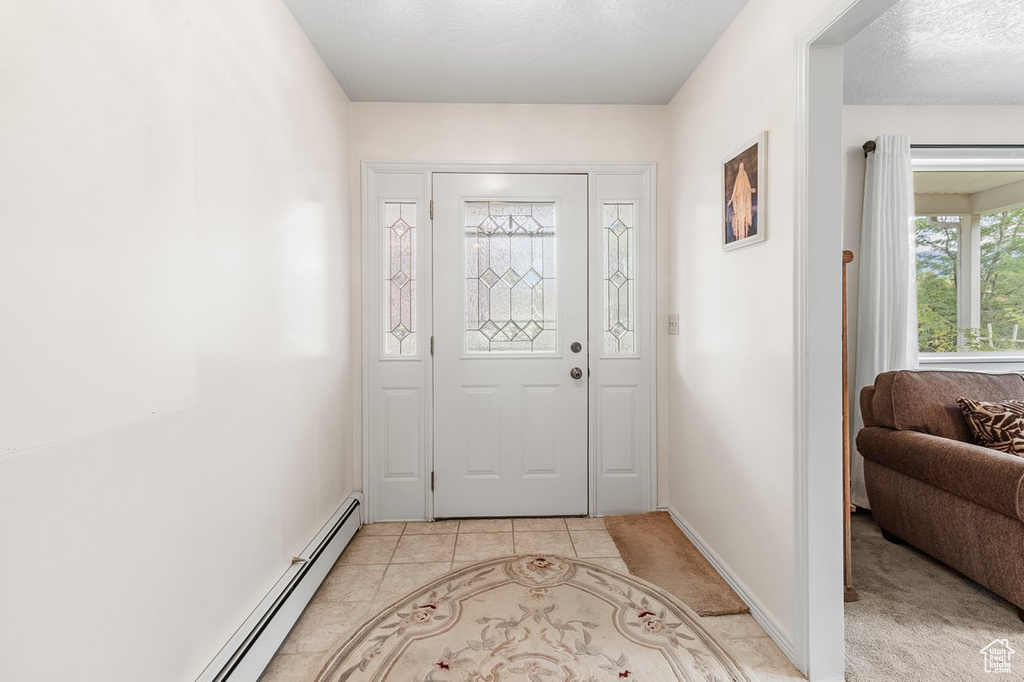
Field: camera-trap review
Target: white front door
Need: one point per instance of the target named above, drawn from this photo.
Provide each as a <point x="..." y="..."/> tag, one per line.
<point x="510" y="335"/>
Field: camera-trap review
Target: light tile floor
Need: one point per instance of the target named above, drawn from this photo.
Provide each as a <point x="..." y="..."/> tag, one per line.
<point x="384" y="561"/>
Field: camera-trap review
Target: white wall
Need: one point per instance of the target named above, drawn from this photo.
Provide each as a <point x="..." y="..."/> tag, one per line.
<point x="174" y="327"/>
<point x="730" y="372"/>
<point x="924" y="125"/>
<point x="516" y="132"/>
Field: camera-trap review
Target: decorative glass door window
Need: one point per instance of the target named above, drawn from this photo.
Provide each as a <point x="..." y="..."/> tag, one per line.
<point x="511" y="306"/>
<point x="399" y="278"/>
<point x="618" y="221"/>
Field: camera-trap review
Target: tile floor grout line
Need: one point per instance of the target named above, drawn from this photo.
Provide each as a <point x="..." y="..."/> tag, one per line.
<point x="376" y="590"/>
<point x="571" y="543"/>
<point x="395" y="548"/>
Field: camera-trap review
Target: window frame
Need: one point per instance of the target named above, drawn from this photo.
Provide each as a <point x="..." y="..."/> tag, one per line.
<point x="968" y="158"/>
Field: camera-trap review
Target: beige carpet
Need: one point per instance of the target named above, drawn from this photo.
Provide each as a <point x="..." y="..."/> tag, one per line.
<point x="919" y="620"/>
<point x="534" y="618"/>
<point x="656" y="550"/>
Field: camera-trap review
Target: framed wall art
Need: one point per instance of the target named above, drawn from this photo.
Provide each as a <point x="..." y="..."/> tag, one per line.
<point x="744" y="199"/>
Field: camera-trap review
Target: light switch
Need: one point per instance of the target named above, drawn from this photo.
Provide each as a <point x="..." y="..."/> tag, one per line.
<point x="673" y="325"/>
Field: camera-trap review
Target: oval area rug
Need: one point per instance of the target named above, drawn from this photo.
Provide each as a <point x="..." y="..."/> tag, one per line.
<point x="535" y="618"/>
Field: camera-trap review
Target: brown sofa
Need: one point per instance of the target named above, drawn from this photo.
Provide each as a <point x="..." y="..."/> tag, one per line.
<point x="931" y="487"/>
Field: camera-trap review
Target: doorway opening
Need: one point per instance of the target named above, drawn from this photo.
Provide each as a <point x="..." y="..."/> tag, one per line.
<point x="508" y="340"/>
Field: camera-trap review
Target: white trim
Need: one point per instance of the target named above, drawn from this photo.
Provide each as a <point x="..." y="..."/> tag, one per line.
<point x="817" y="581"/>
<point x="957" y="158"/>
<point x="249" y="651"/>
<point x="646" y="317"/>
<point x="757" y="609"/>
<point x="649" y="322"/>
<point x="946" y="359"/>
<point x="968" y="275"/>
<point x="368" y="376"/>
<point x="556" y="167"/>
<point x="815" y="591"/>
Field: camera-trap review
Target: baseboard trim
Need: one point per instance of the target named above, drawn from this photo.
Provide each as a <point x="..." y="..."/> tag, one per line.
<point x="250" y="649"/>
<point x="757" y="610"/>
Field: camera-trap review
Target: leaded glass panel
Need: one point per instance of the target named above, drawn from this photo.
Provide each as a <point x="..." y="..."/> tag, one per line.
<point x="619" y="222"/>
<point x="510" y="277"/>
<point x="399" y="278"/>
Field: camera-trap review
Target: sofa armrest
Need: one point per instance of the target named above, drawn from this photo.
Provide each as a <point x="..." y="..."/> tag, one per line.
<point x="984" y="476"/>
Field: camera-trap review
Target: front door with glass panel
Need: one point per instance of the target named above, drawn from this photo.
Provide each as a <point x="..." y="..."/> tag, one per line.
<point x="510" y="344"/>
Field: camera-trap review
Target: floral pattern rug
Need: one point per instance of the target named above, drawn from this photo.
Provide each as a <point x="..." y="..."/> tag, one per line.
<point x="536" y="618"/>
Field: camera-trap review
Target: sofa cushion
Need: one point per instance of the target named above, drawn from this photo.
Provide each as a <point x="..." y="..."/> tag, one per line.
<point x="925" y="401"/>
<point x="867" y="406"/>
<point x="998" y="425"/>
<point x="984" y="476"/>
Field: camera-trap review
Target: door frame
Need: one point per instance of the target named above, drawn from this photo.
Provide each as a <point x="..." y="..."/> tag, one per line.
<point x="370" y="277"/>
<point x="818" y="639"/>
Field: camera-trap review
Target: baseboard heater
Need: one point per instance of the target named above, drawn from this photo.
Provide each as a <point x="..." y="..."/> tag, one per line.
<point x="248" y="652"/>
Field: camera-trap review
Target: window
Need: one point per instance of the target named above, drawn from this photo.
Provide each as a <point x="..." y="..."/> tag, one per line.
<point x="938" y="244"/>
<point x="399" y="237"/>
<point x="970" y="260"/>
<point x="1002" y="279"/>
<point x="619" y="286"/>
<point x="510" y="277"/>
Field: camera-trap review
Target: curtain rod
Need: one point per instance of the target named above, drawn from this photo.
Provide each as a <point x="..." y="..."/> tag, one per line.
<point x="869" y="146"/>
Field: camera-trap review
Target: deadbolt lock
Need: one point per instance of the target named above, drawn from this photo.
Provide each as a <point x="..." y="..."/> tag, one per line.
<point x="576" y="347"/>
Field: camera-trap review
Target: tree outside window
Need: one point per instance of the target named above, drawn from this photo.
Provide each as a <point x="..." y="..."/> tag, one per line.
<point x="938" y="238"/>
<point x="999" y="285"/>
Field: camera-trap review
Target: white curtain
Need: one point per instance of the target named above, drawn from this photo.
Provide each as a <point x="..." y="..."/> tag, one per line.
<point x="887" y="303"/>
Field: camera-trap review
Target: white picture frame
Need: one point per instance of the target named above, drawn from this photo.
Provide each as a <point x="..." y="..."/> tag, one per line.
<point x="744" y="220"/>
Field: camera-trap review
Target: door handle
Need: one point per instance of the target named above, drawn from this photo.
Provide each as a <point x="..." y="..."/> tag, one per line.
<point x="576" y="373"/>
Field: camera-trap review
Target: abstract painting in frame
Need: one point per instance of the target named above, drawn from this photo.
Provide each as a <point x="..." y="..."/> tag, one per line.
<point x="744" y="177"/>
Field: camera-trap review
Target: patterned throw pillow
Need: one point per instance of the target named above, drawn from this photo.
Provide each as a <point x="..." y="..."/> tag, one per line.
<point x="999" y="426"/>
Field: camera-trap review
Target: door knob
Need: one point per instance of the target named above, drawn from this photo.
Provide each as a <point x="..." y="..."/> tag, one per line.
<point x="576" y="373"/>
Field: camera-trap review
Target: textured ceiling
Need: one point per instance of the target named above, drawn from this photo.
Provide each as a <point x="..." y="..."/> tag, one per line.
<point x="527" y="51"/>
<point x="939" y="52"/>
<point x="962" y="182"/>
